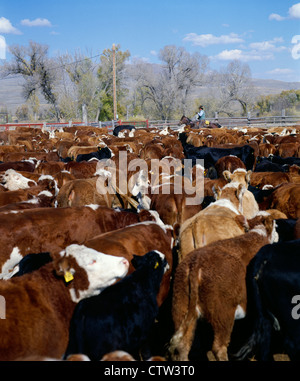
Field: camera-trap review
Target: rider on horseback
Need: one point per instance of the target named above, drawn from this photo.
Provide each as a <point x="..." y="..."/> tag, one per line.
<point x="201" y="116"/>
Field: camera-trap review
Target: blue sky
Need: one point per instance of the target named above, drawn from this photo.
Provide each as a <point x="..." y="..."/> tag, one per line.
<point x="263" y="33"/>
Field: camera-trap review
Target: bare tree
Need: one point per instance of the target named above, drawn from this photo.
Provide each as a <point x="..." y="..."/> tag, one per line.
<point x="185" y="72"/>
<point x="37" y="70"/>
<point x="168" y="86"/>
<point x="234" y="85"/>
<point x="82" y="86"/>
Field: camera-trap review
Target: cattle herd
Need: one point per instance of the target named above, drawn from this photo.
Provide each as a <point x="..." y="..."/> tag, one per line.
<point x="149" y="244"/>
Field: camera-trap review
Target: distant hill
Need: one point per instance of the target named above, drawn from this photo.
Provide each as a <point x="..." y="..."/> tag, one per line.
<point x="11" y="90"/>
<point x="272" y="86"/>
<point x="11" y="93"/>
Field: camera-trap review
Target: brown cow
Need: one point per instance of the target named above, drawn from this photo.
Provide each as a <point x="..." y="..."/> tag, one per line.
<point x="74" y="151"/>
<point x="266" y="149"/>
<point x="63" y="177"/>
<point x="82" y="192"/>
<point x="52" y="229"/>
<point x="50" y="168"/>
<point x="40" y="304"/>
<point x="210" y="283"/>
<point x="222" y="219"/>
<point x="82" y="170"/>
<point x="285" y="198"/>
<point x="28" y="165"/>
<point x="294" y="173"/>
<point x="288" y="149"/>
<point x="11" y="148"/>
<point x="11" y="197"/>
<point x="18" y="156"/>
<point x="260" y="179"/>
<point x="44" y="199"/>
<point x="229" y="163"/>
<point x="152" y="151"/>
<point x="173" y="208"/>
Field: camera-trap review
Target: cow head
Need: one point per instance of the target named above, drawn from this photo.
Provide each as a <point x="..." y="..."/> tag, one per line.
<point x="87" y="272"/>
<point x="232" y="192"/>
<point x="13" y="180"/>
<point x="141" y="183"/>
<point x="266" y="224"/>
<point x="155" y="260"/>
<point x="240" y="176"/>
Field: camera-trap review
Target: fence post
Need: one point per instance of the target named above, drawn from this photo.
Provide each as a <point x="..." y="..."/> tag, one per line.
<point x="283" y="116"/>
<point x="216" y="116"/>
<point x="248" y="118"/>
<point x="70" y="123"/>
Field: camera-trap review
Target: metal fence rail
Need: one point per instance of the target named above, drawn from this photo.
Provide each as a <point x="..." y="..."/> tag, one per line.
<point x="258" y="122"/>
<point x="235" y="122"/>
<point x="269" y="121"/>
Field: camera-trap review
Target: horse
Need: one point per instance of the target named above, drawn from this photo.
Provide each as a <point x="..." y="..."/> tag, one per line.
<point x="196" y="123"/>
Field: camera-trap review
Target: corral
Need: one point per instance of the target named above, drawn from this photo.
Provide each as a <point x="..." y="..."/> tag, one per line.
<point x="199" y="197"/>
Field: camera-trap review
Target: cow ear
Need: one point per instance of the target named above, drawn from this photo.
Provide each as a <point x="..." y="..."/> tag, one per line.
<point x="63" y="269"/>
<point x="240" y="191"/>
<point x="31" y="183"/>
<point x="242" y="222"/>
<point x="248" y="176"/>
<point x="71" y="195"/>
<point x="145" y="215"/>
<point x="216" y="192"/>
<point x="227" y="175"/>
<point x="269" y="224"/>
<point x="240" y="194"/>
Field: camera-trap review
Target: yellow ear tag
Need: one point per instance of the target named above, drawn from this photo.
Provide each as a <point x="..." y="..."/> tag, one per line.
<point x="156" y="265"/>
<point x="68" y="276"/>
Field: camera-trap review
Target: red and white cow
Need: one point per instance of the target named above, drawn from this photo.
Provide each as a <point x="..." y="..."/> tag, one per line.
<point x="40" y="304"/>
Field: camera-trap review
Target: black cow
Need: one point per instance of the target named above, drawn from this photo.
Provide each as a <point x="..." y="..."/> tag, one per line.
<point x="273" y="302"/>
<point x="121" y="128"/>
<point x="264" y="164"/>
<point x="260" y="195"/>
<point x="286" y="160"/>
<point x="122" y="316"/>
<point x="211" y="155"/>
<point x="285" y="228"/>
<point x="102" y="153"/>
<point x="32" y="262"/>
